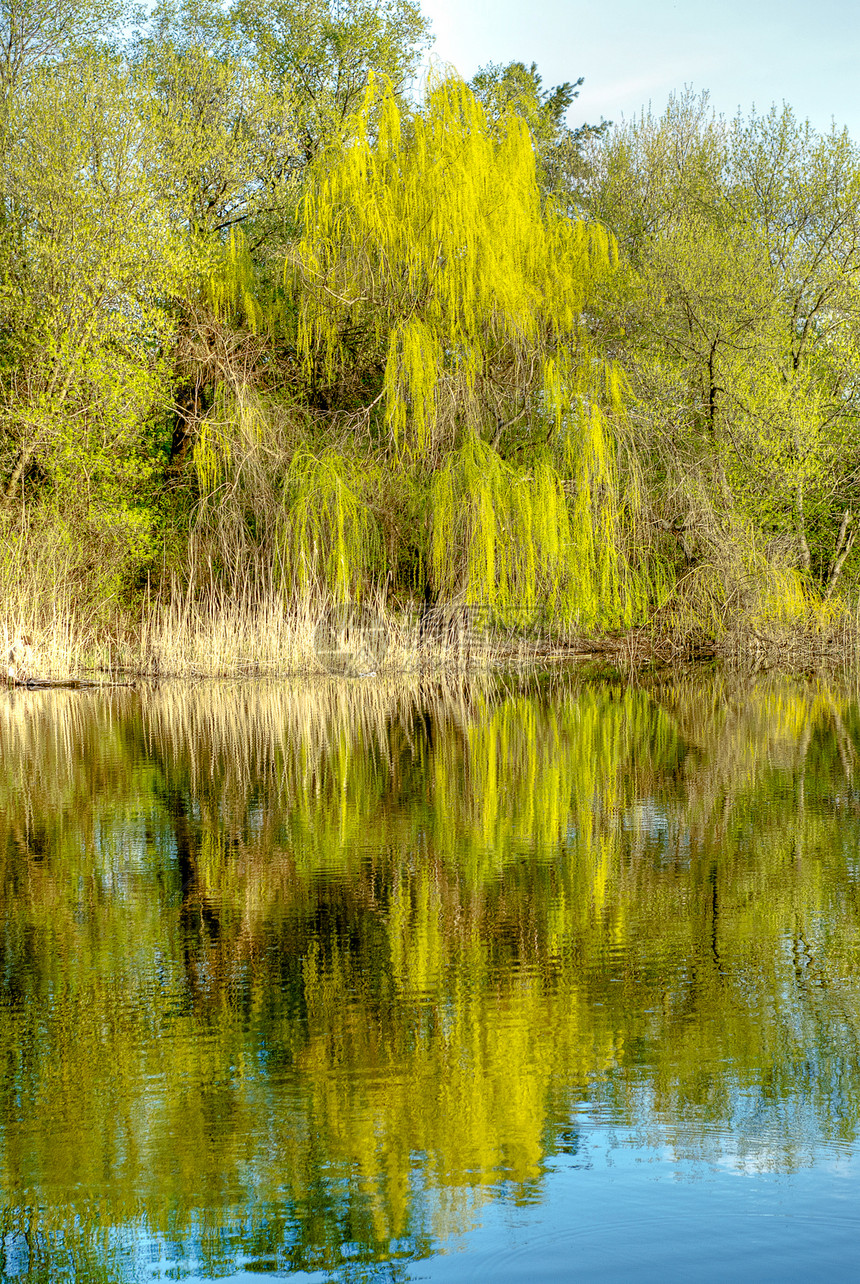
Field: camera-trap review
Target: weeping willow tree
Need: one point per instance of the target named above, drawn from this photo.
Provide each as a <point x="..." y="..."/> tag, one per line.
<point x="461" y="427"/>
<point x="437" y="293"/>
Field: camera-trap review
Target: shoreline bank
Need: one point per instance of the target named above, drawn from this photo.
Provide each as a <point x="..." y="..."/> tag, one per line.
<point x="364" y="642"/>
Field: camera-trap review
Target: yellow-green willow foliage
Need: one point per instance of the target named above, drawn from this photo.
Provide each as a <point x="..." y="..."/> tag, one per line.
<point x="230" y="283"/>
<point x="515" y="538"/>
<point x="238" y="291"/>
<point x="314" y="532"/>
<point x="427" y="253"/>
<point x="430" y="235"/>
<point x="331" y="540"/>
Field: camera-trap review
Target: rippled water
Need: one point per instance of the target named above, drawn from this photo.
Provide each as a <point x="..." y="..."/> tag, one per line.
<point x="515" y="981"/>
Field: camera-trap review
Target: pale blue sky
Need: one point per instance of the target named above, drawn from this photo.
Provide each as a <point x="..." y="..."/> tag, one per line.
<point x="745" y="52"/>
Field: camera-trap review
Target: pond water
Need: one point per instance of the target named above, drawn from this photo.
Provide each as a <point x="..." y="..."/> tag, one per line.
<point x="509" y="980"/>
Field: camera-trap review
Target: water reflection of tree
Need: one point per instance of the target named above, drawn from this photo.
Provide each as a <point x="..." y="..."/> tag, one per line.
<point x="350" y="956"/>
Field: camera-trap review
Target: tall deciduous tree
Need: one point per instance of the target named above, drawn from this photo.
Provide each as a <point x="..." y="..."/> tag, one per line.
<point x="224" y="136"/>
<point x="323" y="51"/>
<point x="740" y="327"/>
<point x="39" y="32"/>
<point x="440" y="310"/>
<point x="89" y="266"/>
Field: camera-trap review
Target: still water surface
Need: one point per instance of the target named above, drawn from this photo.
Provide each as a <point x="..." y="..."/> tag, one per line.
<point x="491" y="981"/>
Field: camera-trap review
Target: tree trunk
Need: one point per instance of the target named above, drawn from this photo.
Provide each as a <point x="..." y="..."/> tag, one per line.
<point x="844" y="545"/>
<point x="805" y="558"/>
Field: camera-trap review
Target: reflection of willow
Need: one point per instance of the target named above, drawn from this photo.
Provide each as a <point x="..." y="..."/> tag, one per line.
<point x="360" y="947"/>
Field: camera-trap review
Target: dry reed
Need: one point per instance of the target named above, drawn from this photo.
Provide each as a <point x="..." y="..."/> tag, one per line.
<point x="212" y="636"/>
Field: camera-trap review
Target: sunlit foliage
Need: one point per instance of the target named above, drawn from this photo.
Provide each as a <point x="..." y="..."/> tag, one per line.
<point x="427" y="254"/>
<point x="740" y="328"/>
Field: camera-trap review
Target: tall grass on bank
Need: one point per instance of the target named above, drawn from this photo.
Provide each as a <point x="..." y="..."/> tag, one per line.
<point x="247" y="619"/>
<point x="188" y="636"/>
<point x="256" y="635"/>
<point x="46" y="597"/>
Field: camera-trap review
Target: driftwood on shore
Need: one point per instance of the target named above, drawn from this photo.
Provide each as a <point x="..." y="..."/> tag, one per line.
<point x="74" y="684"/>
<point x="20" y="666"/>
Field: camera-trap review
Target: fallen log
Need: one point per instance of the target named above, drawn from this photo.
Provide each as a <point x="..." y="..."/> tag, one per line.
<point x="74" y="684"/>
